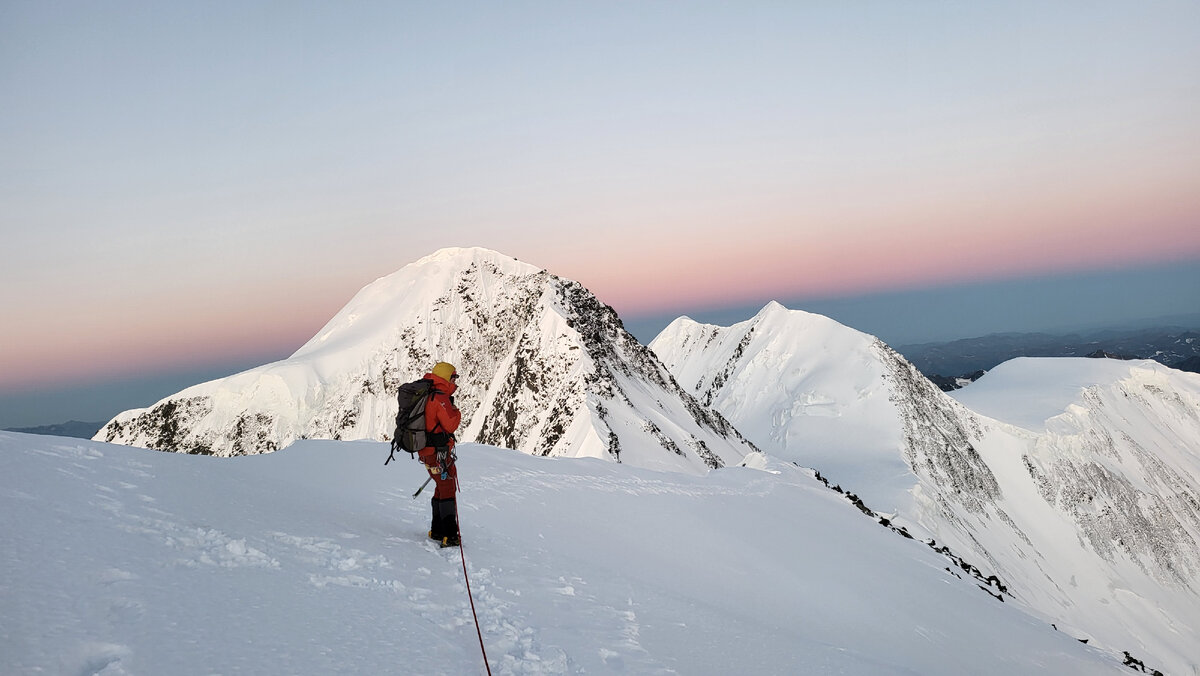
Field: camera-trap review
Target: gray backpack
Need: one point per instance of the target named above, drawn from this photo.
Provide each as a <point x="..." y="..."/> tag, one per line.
<point x="410" y="420"/>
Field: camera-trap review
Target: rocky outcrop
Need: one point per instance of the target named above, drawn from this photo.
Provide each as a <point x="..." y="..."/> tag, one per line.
<point x="544" y="366"/>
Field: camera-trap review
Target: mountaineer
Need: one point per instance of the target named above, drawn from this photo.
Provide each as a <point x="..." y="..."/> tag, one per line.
<point x="442" y="418"/>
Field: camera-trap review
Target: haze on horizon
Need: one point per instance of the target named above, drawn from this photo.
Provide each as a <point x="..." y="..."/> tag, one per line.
<point x="188" y="187"/>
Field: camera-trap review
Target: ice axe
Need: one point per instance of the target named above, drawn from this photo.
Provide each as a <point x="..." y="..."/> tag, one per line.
<point x="423" y="488"/>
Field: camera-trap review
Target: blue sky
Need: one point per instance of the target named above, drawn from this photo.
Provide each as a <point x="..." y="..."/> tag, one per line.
<point x="189" y="186"/>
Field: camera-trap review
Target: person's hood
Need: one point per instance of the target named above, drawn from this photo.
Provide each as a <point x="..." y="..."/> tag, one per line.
<point x="441" y="384"/>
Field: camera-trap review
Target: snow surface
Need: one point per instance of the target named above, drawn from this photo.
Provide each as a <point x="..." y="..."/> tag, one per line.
<point x="802" y="387"/>
<point x="1075" y="481"/>
<point x="1029" y="391"/>
<point x="313" y="560"/>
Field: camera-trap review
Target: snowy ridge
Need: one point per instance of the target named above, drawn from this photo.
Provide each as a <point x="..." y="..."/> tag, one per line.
<point x="1107" y="492"/>
<point x="1121" y="455"/>
<point x="544" y="368"/>
<point x="119" y="561"/>
<point x="802" y="387"/>
<point x="1081" y="497"/>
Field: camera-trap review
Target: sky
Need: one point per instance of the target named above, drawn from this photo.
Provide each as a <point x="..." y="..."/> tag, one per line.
<point x="191" y="188"/>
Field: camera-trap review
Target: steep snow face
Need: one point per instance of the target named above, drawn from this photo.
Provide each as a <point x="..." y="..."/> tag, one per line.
<point x="1100" y="463"/>
<point x="544" y="368"/>
<point x="806" y="388"/>
<point x="1079" y="491"/>
<point x="1116" y="447"/>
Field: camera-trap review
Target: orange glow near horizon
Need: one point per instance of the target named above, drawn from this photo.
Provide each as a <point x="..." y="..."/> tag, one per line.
<point x="691" y="259"/>
<point x="891" y="261"/>
<point x="52" y="351"/>
<point x="57" y="348"/>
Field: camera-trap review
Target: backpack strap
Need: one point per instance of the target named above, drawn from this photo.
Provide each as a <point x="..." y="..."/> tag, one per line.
<point x="391" y="454"/>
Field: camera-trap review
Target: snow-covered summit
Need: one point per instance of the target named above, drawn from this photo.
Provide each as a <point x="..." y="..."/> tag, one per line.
<point x="413" y="293"/>
<point x="806" y="388"/>
<point x="457" y="256"/>
<point x="544" y="368"/>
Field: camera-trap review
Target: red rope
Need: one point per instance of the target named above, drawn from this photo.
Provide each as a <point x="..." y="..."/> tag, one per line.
<point x="471" y="598"/>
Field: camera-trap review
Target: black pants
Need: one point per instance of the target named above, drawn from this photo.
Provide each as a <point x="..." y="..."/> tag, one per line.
<point x="445" y="518"/>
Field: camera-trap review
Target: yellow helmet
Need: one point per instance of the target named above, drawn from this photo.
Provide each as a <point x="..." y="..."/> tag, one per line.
<point x="444" y="371"/>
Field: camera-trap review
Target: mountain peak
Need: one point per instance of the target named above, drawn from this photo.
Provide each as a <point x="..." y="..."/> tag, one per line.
<point x="772" y="308"/>
<point x="774" y="311"/>
<point x="464" y="256"/>
<point x="546" y="369"/>
<point x="456" y="260"/>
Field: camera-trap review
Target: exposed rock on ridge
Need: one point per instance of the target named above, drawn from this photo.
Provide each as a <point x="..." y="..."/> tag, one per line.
<point x="545" y="368"/>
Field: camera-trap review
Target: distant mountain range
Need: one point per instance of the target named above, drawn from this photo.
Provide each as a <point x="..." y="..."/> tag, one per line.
<point x="73" y="428"/>
<point x="951" y="364"/>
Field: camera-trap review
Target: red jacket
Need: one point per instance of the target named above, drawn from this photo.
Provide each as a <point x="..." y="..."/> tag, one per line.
<point x="441" y="415"/>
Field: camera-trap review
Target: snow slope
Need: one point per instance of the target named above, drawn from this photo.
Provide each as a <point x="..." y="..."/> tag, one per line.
<point x="1101" y="459"/>
<point x="1079" y="492"/>
<point x="544" y="368"/>
<point x="804" y="388"/>
<point x="313" y="560"/>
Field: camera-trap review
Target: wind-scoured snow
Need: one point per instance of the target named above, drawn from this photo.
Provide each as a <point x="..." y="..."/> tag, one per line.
<point x="544" y="368"/>
<point x="313" y="560"/>
<point x="1074" y="481"/>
